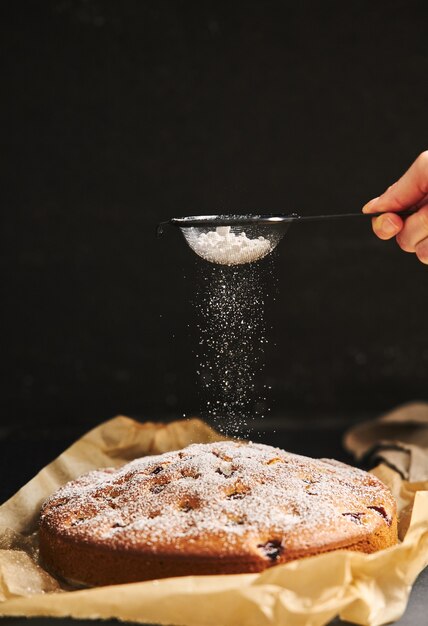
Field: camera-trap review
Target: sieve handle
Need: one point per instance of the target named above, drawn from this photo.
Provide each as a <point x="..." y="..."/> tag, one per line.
<point x="315" y="218"/>
<point x="272" y="220"/>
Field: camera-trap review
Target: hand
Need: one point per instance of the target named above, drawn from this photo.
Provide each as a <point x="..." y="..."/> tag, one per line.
<point x="410" y="191"/>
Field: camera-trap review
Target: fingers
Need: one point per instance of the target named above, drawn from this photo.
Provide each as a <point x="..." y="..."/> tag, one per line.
<point x="421" y="250"/>
<point x="387" y="226"/>
<point x="410" y="190"/>
<point x="414" y="231"/>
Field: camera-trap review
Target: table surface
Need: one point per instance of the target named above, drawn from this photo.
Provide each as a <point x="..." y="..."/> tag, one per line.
<point x="23" y="453"/>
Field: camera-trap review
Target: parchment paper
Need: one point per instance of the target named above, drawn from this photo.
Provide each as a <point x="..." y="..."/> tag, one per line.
<point x="365" y="589"/>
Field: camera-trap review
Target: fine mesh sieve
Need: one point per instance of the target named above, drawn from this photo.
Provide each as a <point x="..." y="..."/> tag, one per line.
<point x="237" y="239"/>
<point x="232" y="239"/>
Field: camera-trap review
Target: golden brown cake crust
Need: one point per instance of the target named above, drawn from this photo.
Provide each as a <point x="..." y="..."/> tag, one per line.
<point x="219" y="508"/>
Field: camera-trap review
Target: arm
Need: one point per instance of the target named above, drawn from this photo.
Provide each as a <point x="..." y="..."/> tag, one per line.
<point x="410" y="191"/>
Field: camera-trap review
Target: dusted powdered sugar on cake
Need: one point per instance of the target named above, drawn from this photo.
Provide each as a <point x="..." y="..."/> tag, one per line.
<point x="253" y="497"/>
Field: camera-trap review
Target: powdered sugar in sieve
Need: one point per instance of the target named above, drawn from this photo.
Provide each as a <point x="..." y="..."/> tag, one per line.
<point x="225" y="247"/>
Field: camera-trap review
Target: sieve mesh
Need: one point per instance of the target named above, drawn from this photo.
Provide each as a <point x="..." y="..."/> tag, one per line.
<point x="232" y="239"/>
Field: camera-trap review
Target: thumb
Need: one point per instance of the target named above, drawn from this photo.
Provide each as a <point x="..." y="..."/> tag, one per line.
<point x="409" y="191"/>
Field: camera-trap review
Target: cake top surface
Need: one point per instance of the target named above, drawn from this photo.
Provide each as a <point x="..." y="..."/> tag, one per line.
<point x="230" y="491"/>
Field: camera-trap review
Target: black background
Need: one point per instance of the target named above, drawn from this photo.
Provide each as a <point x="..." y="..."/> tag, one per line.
<point x="116" y="115"/>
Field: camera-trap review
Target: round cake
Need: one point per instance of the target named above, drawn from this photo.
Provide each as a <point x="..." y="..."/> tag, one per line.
<point x="219" y="508"/>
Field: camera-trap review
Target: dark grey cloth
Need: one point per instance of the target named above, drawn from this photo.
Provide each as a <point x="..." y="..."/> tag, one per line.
<point x="399" y="439"/>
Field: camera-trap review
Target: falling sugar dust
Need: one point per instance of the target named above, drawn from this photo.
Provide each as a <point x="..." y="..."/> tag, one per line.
<point x="232" y="329"/>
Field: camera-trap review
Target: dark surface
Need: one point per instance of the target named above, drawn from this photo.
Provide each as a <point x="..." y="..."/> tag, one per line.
<point x="23" y="456"/>
<point x="119" y="114"/>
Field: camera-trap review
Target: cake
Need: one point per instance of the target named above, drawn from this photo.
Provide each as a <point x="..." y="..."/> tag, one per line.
<point x="218" y="508"/>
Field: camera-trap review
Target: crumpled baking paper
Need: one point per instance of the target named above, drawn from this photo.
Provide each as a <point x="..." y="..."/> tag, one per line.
<point x="364" y="589"/>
